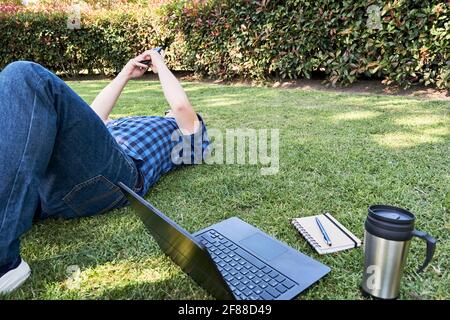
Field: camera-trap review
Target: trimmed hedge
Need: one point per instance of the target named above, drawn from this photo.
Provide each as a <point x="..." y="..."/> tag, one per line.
<point x="256" y="39"/>
<point x="104" y="44"/>
<point x="249" y="39"/>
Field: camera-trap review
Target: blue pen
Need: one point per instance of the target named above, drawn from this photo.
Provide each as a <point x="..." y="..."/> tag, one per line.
<point x="324" y="233"/>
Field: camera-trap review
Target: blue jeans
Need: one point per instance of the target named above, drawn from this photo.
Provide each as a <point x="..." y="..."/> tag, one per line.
<point x="57" y="158"/>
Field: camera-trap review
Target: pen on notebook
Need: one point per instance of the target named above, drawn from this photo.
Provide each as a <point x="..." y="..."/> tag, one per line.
<point x="324" y="233"/>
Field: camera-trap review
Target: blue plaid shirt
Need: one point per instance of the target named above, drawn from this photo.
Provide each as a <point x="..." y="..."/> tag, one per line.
<point x="157" y="145"/>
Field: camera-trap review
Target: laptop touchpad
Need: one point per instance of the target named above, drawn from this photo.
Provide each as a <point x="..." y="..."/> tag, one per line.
<point x="263" y="246"/>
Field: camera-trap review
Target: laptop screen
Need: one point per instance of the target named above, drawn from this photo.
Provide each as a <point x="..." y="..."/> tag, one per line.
<point x="180" y="246"/>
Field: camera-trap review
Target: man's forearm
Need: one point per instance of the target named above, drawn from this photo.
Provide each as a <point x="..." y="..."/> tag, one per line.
<point x="176" y="97"/>
<point x="107" y="98"/>
<point x="173" y="91"/>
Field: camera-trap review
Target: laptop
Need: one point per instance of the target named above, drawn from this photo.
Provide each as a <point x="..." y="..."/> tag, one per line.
<point x="231" y="259"/>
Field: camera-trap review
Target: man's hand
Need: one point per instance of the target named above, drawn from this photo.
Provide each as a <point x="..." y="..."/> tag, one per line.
<point x="133" y="69"/>
<point x="156" y="58"/>
<point x="107" y="98"/>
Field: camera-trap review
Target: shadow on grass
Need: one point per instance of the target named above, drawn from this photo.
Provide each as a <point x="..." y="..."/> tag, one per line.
<point x="123" y="262"/>
<point x="395" y="125"/>
<point x="168" y="289"/>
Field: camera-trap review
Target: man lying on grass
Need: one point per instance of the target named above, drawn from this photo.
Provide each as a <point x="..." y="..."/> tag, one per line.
<point x="60" y="157"/>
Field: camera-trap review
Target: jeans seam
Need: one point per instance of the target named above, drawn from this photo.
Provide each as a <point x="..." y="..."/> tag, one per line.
<point x="80" y="213"/>
<point x="132" y="165"/>
<point x="78" y="187"/>
<point x="21" y="160"/>
<point x="113" y="189"/>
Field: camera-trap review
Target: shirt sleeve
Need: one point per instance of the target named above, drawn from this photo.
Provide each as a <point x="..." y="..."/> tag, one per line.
<point x="192" y="149"/>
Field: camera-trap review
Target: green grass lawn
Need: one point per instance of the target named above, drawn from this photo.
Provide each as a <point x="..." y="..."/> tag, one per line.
<point x="339" y="152"/>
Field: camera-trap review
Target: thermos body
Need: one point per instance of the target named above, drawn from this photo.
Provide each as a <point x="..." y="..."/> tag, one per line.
<point x="387" y="238"/>
<point x="384" y="261"/>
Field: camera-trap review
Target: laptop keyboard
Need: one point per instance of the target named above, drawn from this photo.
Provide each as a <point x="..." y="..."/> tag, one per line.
<point x="248" y="277"/>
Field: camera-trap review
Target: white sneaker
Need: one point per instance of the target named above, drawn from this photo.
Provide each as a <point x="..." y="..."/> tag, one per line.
<point x="14" y="278"/>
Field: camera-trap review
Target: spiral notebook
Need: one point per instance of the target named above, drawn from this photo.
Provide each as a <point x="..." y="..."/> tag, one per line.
<point x="341" y="238"/>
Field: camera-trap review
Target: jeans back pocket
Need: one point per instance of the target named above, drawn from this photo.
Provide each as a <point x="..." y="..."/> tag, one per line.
<point x="94" y="196"/>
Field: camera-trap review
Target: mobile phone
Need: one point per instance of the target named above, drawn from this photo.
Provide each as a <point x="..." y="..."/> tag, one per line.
<point x="149" y="61"/>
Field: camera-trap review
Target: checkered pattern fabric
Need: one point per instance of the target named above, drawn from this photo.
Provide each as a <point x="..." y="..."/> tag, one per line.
<point x="157" y="145"/>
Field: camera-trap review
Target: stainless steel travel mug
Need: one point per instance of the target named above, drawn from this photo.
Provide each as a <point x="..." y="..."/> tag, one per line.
<point x="387" y="237"/>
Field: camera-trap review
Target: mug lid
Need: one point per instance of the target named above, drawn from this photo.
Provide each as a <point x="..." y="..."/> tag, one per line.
<point x="394" y="215"/>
